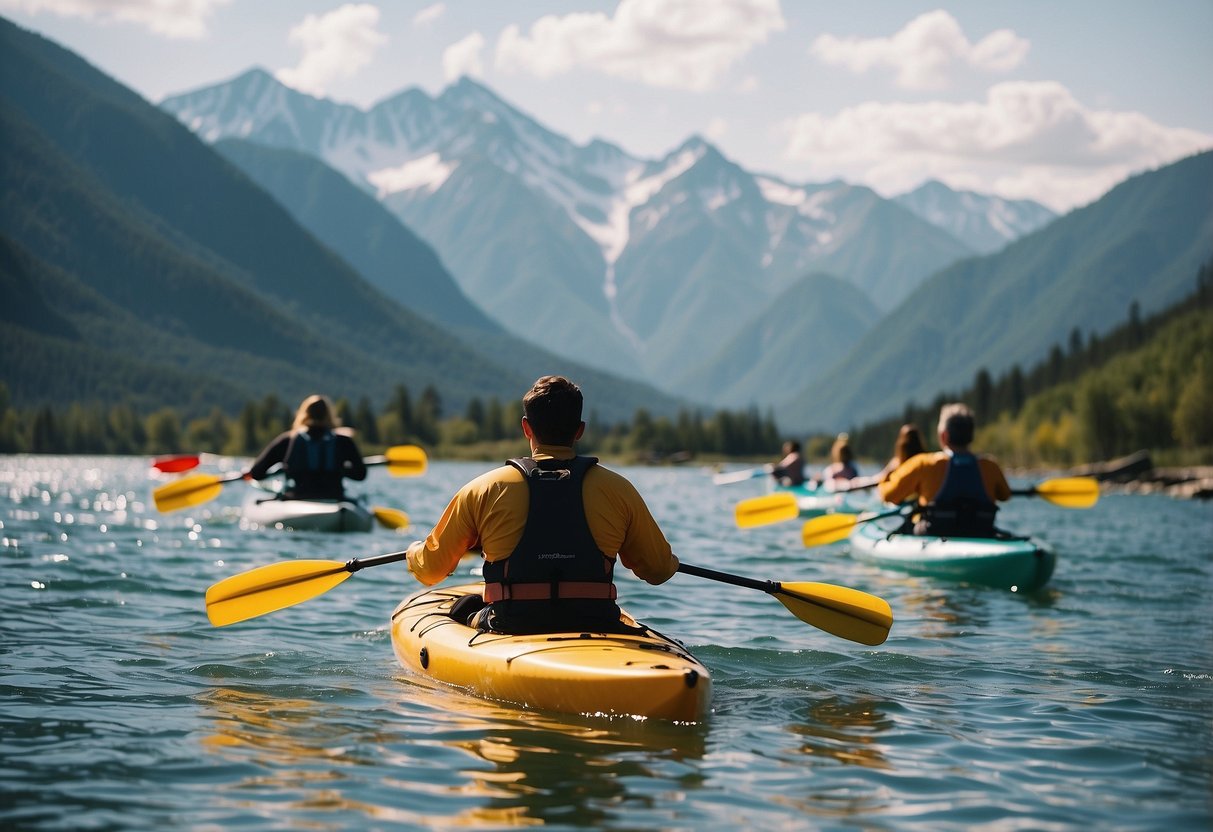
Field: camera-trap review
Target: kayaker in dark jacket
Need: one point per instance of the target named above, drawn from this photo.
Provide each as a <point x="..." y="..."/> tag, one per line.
<point x="550" y="527"/>
<point x="314" y="454"/>
<point x="956" y="489"/>
<point x="790" y="469"/>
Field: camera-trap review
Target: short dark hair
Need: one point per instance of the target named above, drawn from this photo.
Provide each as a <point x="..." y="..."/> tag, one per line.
<point x="959" y="423"/>
<point x="553" y="408"/>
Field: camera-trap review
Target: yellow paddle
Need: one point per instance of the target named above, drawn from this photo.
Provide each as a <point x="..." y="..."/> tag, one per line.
<point x="193" y="490"/>
<point x="838" y="610"/>
<point x="279" y="585"/>
<point x="769" y="508"/>
<point x="401" y="460"/>
<point x="391" y="518"/>
<point x="1067" y="492"/>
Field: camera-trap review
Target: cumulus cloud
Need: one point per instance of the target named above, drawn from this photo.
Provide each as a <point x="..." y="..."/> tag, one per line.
<point x="924" y="51"/>
<point x="679" y="44"/>
<point x="186" y="19"/>
<point x="429" y="14"/>
<point x="1025" y="139"/>
<point x="335" y="45"/>
<point x="463" y="58"/>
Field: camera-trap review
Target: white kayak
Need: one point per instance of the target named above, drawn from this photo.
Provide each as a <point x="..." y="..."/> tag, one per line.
<point x="1015" y="563"/>
<point x="263" y="511"/>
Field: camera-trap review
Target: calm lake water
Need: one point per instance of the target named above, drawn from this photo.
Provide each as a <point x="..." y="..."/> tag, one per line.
<point x="1087" y="705"/>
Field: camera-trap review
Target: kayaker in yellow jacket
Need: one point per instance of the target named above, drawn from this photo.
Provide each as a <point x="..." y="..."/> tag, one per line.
<point x="956" y="489"/>
<point x="550" y="527"/>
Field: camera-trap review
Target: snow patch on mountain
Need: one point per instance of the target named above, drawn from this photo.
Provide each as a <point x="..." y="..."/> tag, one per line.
<point x="429" y="173"/>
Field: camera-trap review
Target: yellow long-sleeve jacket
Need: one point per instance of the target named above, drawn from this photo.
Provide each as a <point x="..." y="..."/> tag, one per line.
<point x="490" y="513"/>
<point x="923" y="475"/>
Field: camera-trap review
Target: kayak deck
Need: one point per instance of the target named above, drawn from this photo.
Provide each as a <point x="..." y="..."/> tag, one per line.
<point x="306" y="515"/>
<point x="644" y="675"/>
<point x="1017" y="564"/>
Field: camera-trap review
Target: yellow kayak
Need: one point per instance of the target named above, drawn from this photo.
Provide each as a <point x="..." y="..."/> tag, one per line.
<point x="645" y="675"/>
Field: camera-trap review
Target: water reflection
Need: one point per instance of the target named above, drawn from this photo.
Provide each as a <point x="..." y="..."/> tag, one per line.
<point x="447" y="759"/>
<point x="544" y="769"/>
<point x="847" y="731"/>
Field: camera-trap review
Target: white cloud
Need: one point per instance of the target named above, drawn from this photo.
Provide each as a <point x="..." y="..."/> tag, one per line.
<point x="185" y="19"/>
<point x="335" y="45"/>
<point x="463" y="58"/>
<point x="1025" y="139"/>
<point x="924" y="51"/>
<point x="429" y="14"/>
<point x="716" y="129"/>
<point x="680" y="44"/>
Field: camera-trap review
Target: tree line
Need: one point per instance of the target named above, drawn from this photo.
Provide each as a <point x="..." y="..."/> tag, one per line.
<point x="405" y="418"/>
<point x="1147" y="384"/>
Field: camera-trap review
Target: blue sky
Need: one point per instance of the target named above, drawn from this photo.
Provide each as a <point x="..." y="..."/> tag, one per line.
<point x="1044" y="100"/>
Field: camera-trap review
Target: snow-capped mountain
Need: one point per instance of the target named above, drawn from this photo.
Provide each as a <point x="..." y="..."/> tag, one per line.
<point x="624" y="263"/>
<point x="984" y="223"/>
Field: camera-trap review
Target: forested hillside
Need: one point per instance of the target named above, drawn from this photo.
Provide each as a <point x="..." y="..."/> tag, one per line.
<point x="1148" y="384"/>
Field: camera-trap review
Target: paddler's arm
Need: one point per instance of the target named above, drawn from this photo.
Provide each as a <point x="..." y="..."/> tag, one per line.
<point x="272" y="455"/>
<point x="644" y="548"/>
<point x="455" y="534"/>
<point x="994" y="480"/>
<point x="905" y="482"/>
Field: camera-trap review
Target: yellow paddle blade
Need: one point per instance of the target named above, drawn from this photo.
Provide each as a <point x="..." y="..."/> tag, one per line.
<point x="827" y="528"/>
<point x="392" y="518"/>
<point x="405" y="461"/>
<point x="1069" y="492"/>
<point x="190" y="491"/>
<point x="767" y="509"/>
<point x="269" y="588"/>
<point x="839" y="610"/>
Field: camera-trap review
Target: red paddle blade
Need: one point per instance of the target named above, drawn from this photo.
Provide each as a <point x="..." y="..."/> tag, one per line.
<point x="176" y="464"/>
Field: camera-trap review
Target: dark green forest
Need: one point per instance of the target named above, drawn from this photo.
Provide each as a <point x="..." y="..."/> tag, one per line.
<point x="480" y="430"/>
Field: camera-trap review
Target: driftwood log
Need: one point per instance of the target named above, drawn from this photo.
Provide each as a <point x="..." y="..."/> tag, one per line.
<point x="1136" y="474"/>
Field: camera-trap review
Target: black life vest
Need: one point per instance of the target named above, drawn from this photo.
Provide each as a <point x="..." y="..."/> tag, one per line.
<point x="311" y="454"/>
<point x="312" y="466"/>
<point x="557" y="557"/>
<point x="962" y="507"/>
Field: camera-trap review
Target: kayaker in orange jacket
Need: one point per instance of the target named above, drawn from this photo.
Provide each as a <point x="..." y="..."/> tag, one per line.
<point x="550" y="527"/>
<point x="956" y="489"/>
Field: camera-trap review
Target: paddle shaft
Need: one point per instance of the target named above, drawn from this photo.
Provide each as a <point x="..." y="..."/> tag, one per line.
<point x="355" y="564"/>
<point x="724" y="577"/>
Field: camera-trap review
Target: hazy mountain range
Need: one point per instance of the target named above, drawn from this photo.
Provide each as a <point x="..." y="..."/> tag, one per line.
<point x="640" y="263"/>
<point x="455" y="241"/>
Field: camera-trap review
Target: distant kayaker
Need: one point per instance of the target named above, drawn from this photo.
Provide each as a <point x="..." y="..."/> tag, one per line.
<point x="956" y="489"/>
<point x="838" y="474"/>
<point x="790" y="469"/>
<point x="550" y="527"/>
<point x="908" y="444"/>
<point x="315" y="454"/>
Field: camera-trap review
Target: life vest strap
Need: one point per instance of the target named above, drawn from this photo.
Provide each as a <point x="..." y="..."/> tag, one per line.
<point x="596" y="590"/>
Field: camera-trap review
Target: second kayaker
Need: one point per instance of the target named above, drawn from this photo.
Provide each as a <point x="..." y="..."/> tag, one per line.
<point x="550" y="526"/>
<point x="316" y="455"/>
<point x="957" y="490"/>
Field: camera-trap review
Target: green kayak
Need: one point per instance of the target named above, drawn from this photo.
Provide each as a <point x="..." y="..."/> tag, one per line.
<point x="1014" y="563"/>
